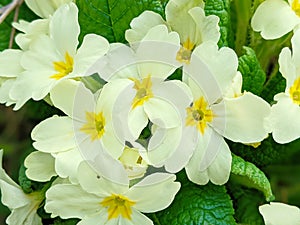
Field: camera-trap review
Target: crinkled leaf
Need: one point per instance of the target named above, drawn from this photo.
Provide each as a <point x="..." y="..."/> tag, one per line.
<point x="249" y="175"/>
<point x="253" y="75"/>
<point x="194" y="204"/>
<point x="5" y="28"/>
<point x="221" y="8"/>
<point x="110" y="18"/>
<point x="24" y="182"/>
<point x="246" y="203"/>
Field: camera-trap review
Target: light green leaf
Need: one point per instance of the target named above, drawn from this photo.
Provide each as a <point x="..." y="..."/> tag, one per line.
<point x="194" y="204"/>
<point x="221" y="8"/>
<point x="250" y="176"/>
<point x="253" y="75"/>
<point x="110" y="18"/>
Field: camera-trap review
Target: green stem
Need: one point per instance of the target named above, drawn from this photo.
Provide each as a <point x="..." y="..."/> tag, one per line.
<point x="243" y="11"/>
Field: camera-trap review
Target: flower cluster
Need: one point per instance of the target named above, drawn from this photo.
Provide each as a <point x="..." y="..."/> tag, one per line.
<point x="116" y="151"/>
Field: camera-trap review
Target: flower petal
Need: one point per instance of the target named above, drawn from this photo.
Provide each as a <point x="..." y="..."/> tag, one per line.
<point x="296" y="48"/>
<point x="12" y="196"/>
<point x="212" y="69"/>
<point x="162" y="113"/>
<point x="66" y="164"/>
<point x="207" y="28"/>
<point x="241" y="119"/>
<point x="113" y="144"/>
<point x="277" y="213"/>
<point x="54" y="134"/>
<point x="10" y="63"/>
<point x="64" y="29"/>
<point x="154" y="193"/>
<point x="211" y="160"/>
<point x="92" y="49"/>
<point x="63" y="95"/>
<point x="137" y="121"/>
<point x="139" y="218"/>
<point x="274" y="18"/>
<point x="119" y="62"/>
<point x="156" y="53"/>
<point x="71" y="201"/>
<point x="40" y="166"/>
<point x="94" y="182"/>
<point x="95" y="219"/>
<point x="180" y="20"/>
<point x="284" y="120"/>
<point x="183" y="152"/>
<point x="162" y="145"/>
<point x="287" y="67"/>
<point x="5" y="88"/>
<point x="141" y="25"/>
<point x="26" y="214"/>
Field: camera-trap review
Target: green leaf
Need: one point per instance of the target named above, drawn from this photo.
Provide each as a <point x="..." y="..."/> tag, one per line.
<point x="246" y="203"/>
<point x="275" y="85"/>
<point x="269" y="152"/>
<point x="249" y="175"/>
<point x="59" y="221"/>
<point x="24" y="182"/>
<point x="194" y="204"/>
<point x="24" y="13"/>
<point x="221" y="8"/>
<point x="110" y="18"/>
<point x="253" y="75"/>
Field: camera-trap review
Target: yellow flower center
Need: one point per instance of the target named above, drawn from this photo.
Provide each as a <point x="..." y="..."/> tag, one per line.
<point x="118" y="205"/>
<point x="295" y="91"/>
<point x="296" y="7"/>
<point x="199" y="115"/>
<point x="94" y="126"/>
<point x="143" y="91"/>
<point x="185" y="52"/>
<point x="63" y="68"/>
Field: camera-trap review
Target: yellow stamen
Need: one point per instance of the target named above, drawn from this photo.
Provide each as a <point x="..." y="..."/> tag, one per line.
<point x="296" y="7"/>
<point x="63" y="68"/>
<point x="295" y="91"/>
<point x="185" y="52"/>
<point x="199" y="115"/>
<point x="118" y="205"/>
<point x="144" y="92"/>
<point x="94" y="126"/>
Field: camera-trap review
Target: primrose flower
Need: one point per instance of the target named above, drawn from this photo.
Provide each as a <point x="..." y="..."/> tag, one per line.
<point x="275" y="18"/>
<point x="104" y="202"/>
<point x="277" y="213"/>
<point x="146" y="96"/>
<point x="51" y="59"/>
<point x="23" y="206"/>
<point x="84" y="133"/>
<point x="219" y="111"/>
<point x="284" y="119"/>
<point x="10" y="68"/>
<point x="185" y="17"/>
